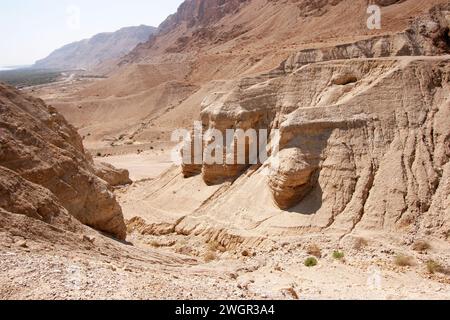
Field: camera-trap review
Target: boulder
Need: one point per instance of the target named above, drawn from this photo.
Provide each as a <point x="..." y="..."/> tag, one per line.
<point x="112" y="175"/>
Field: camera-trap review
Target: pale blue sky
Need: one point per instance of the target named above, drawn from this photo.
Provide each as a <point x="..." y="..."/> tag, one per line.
<point x="31" y="29"/>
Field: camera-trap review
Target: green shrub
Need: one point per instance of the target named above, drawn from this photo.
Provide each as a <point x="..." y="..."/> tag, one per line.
<point x="311" y="262"/>
<point x="338" y="255"/>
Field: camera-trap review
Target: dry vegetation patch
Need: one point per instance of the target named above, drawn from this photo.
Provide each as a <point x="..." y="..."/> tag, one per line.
<point x="360" y="243"/>
<point x="314" y="250"/>
<point x="404" y="260"/>
<point x="421" y="246"/>
<point x="435" y="267"/>
<point x="209" y="256"/>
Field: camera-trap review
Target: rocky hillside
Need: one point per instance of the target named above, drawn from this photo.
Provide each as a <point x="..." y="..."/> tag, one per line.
<point x="267" y="28"/>
<point x="46" y="174"/>
<point x="364" y="137"/>
<point x="89" y="53"/>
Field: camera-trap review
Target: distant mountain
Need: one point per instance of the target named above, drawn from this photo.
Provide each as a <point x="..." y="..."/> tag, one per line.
<point x="88" y="53"/>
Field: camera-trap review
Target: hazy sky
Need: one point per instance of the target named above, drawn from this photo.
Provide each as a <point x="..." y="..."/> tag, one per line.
<point x="31" y="29"/>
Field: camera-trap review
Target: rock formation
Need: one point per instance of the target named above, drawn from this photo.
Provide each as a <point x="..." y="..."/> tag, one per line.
<point x="201" y="13"/>
<point x="113" y="176"/>
<point x="41" y="151"/>
<point x="19" y="196"/>
<point x="364" y="129"/>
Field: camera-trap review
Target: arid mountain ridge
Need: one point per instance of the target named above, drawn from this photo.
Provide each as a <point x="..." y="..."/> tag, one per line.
<point x="101" y="48"/>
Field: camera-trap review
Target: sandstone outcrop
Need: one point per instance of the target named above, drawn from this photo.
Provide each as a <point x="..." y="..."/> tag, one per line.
<point x="292" y="180"/>
<point x="200" y="12"/>
<point x="428" y="36"/>
<point x="113" y="176"/>
<point x="364" y="129"/>
<point x="41" y="147"/>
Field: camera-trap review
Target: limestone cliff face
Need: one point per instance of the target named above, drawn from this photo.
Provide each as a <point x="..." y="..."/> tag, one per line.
<point x="426" y="36"/>
<point x="38" y="145"/>
<point x="378" y="147"/>
<point x="364" y="130"/>
<point x="200" y="13"/>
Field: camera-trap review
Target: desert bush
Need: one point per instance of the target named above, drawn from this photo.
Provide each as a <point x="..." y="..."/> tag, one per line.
<point x="433" y="267"/>
<point x="314" y="250"/>
<point x="209" y="256"/>
<point x="311" y="262"/>
<point x="338" y="255"/>
<point x="404" y="260"/>
<point x="360" y="243"/>
<point x="421" y="245"/>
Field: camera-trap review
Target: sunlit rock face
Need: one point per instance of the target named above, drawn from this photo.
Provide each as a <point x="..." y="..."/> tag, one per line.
<point x="361" y="124"/>
<point x="40" y="147"/>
